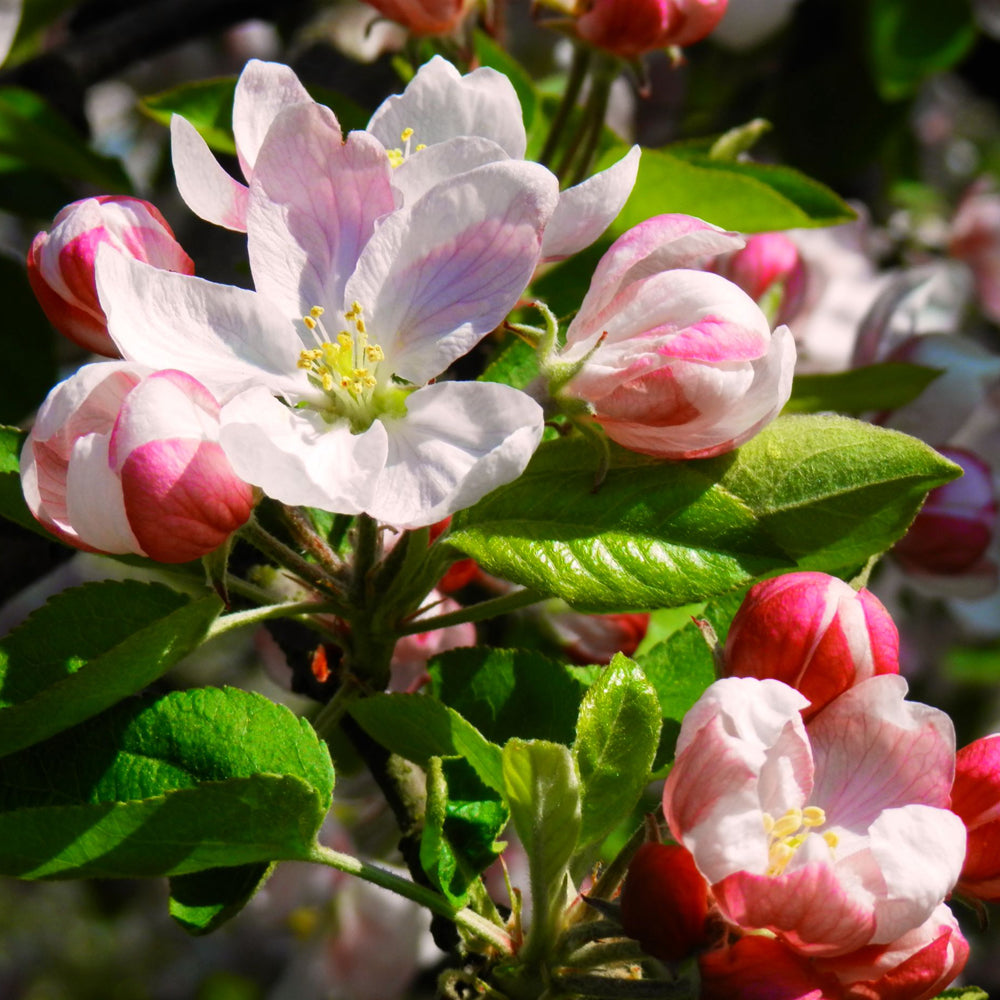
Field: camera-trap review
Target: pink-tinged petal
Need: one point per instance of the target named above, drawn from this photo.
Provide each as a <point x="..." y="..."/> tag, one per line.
<point x="812" y="907"/>
<point x="182" y="498"/>
<point x="437" y="277"/>
<point x="457" y="442"/>
<point x="94" y="501"/>
<point x="439" y="104"/>
<point x="296" y="457"/>
<point x="211" y="193"/>
<point x="587" y="209"/>
<point x="876" y="751"/>
<point x="763" y="968"/>
<point x="313" y="206"/>
<point x="658" y="244"/>
<point x="423" y="169"/>
<point x="224" y="336"/>
<point x="919" y="850"/>
<point x="10" y="17"/>
<point x="975" y="795"/>
<point x="262" y="91"/>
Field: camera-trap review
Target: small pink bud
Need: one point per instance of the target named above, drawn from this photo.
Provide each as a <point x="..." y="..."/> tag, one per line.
<point x="629" y="28"/>
<point x="424" y="17"/>
<point x="769" y="264"/>
<point x="61" y="262"/>
<point x="596" y="638"/>
<point x="814" y="633"/>
<point x="121" y="460"/>
<point x="956" y="524"/>
<point x="665" y="902"/>
<point x="763" y="968"/>
<point x="975" y="796"/>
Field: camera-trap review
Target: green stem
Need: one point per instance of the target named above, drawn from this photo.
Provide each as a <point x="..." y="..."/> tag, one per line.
<point x="611" y="877"/>
<point x="474" y="613"/>
<point x="433" y="901"/>
<point x="366" y="552"/>
<point x="306" y="535"/>
<point x="577" y="74"/>
<point x="617" y="952"/>
<point x="254" y="615"/>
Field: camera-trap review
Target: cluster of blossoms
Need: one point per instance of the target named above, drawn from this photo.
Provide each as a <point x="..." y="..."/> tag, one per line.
<point x="378" y="258"/>
<point x="820" y="818"/>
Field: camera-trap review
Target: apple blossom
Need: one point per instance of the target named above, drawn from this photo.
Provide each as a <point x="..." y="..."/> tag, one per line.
<point x="595" y="638"/>
<point x="424" y="17"/>
<point x="814" y="633"/>
<point x="440" y="126"/>
<point x="630" y="28"/>
<point x="61" y="262"/>
<point x="675" y="362"/>
<point x="771" y="266"/>
<point x="337" y="413"/>
<point x="975" y="239"/>
<point x="975" y="797"/>
<point x="832" y="836"/>
<point x="125" y="460"/>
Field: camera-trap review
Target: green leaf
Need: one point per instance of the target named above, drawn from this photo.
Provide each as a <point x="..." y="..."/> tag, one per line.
<point x="194" y="780"/>
<point x="963" y="993"/>
<point x="203" y="901"/>
<point x="808" y="492"/>
<point x="616" y="738"/>
<point x="35" y="135"/>
<point x="860" y="390"/>
<point x="418" y="728"/>
<point x="749" y="197"/>
<point x="12" y="505"/>
<point x="206" y="104"/>
<point x="463" y="820"/>
<point x="516" y="365"/>
<point x="509" y="692"/>
<point x="74" y="658"/>
<point x="909" y="42"/>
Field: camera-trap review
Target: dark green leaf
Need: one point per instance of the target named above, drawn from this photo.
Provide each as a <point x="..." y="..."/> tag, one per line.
<point x="195" y="780"/>
<point x="809" y="492"/>
<point x="860" y="390"/>
<point x="516" y="365"/>
<point x="509" y="692"/>
<point x="616" y="738"/>
<point x="463" y="820"/>
<point x="206" y="104"/>
<point x="12" y="505"/>
<point x="963" y="993"/>
<point x="419" y="728"/>
<point x="203" y="901"/>
<point x="74" y="658"/>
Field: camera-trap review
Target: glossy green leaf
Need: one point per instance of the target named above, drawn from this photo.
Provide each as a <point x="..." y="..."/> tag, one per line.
<point x="419" y="728"/>
<point x="194" y="780"/>
<point x="464" y="817"/>
<point x="616" y="739"/>
<point x="206" y="104"/>
<point x="12" y="505"/>
<point x="203" y="901"/>
<point x="909" y="42"/>
<point x="516" y="365"/>
<point x="860" y="390"/>
<point x="34" y="134"/>
<point x="809" y="492"/>
<point x="749" y="197"/>
<point x="72" y="658"/>
<point x="509" y="692"/>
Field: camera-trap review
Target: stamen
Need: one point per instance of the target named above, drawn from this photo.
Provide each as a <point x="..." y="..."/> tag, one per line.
<point x="790" y="832"/>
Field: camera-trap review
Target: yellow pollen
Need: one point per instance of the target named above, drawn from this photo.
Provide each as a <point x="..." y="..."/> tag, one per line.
<point x="788" y="824"/>
<point x="787" y="834"/>
<point x="309" y="322"/>
<point x="813" y="816"/>
<point x="831" y="839"/>
<point x="316" y="312"/>
<point x="396" y="157"/>
<point x="420" y="146"/>
<point x="406" y="135"/>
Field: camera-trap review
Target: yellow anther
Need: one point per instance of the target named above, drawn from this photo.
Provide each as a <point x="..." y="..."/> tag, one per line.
<point x="327" y="381"/>
<point x="360" y="324"/>
<point x="813" y="816"/>
<point x="345" y="339"/>
<point x="396" y="157"/>
<point x="316" y="312"/>
<point x="420" y="146"/>
<point x="374" y="353"/>
<point x="778" y="857"/>
<point x="788" y="824"/>
<point x="406" y="135"/>
<point x="370" y="381"/>
<point x="309" y="322"/>
<point x="831" y="839"/>
<point x="768" y="823"/>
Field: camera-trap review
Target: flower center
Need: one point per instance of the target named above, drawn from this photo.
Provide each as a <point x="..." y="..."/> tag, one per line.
<point x="787" y="834"/>
<point x="346" y="369"/>
<point x="397" y="157"/>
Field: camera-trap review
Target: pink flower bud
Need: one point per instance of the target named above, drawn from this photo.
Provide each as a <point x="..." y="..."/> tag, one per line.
<point x="975" y="796"/>
<point x="675" y="362"/>
<point x="424" y="17"/>
<point x="975" y="239"/>
<point x="122" y="460"/>
<point x="629" y="28"/>
<point x="665" y="902"/>
<point x="815" y="633"/>
<point x="956" y="524"/>
<point x="769" y="264"/>
<point x="596" y="638"/>
<point x="61" y="262"/>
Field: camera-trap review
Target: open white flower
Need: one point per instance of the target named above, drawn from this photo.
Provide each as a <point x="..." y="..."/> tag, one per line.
<point x="359" y="304"/>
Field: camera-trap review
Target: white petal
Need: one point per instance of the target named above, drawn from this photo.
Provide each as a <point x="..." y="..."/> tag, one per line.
<point x="422" y="170"/>
<point x="313" y="206"/>
<point x="225" y="337"/>
<point x="436" y="278"/>
<point x="205" y="187"/>
<point x="440" y="104"/>
<point x="457" y="442"/>
<point x="587" y="209"/>
<point x="296" y="457"/>
<point x="263" y="89"/>
<point x="10" y="17"/>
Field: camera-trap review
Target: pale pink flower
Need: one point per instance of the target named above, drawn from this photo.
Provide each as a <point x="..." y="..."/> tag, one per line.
<point x="975" y="239"/>
<point x="833" y="836"/>
<point x="771" y="271"/>
<point x="975" y="797"/>
<point x="10" y="18"/>
<point x="749" y="22"/>
<point x="424" y="17"/>
<point x="61" y="262"/>
<point x="124" y="460"/>
<point x="675" y="362"/>
<point x="324" y="370"/>
<point x="591" y="638"/>
<point x="630" y="28"/>
<point x="814" y="633"/>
